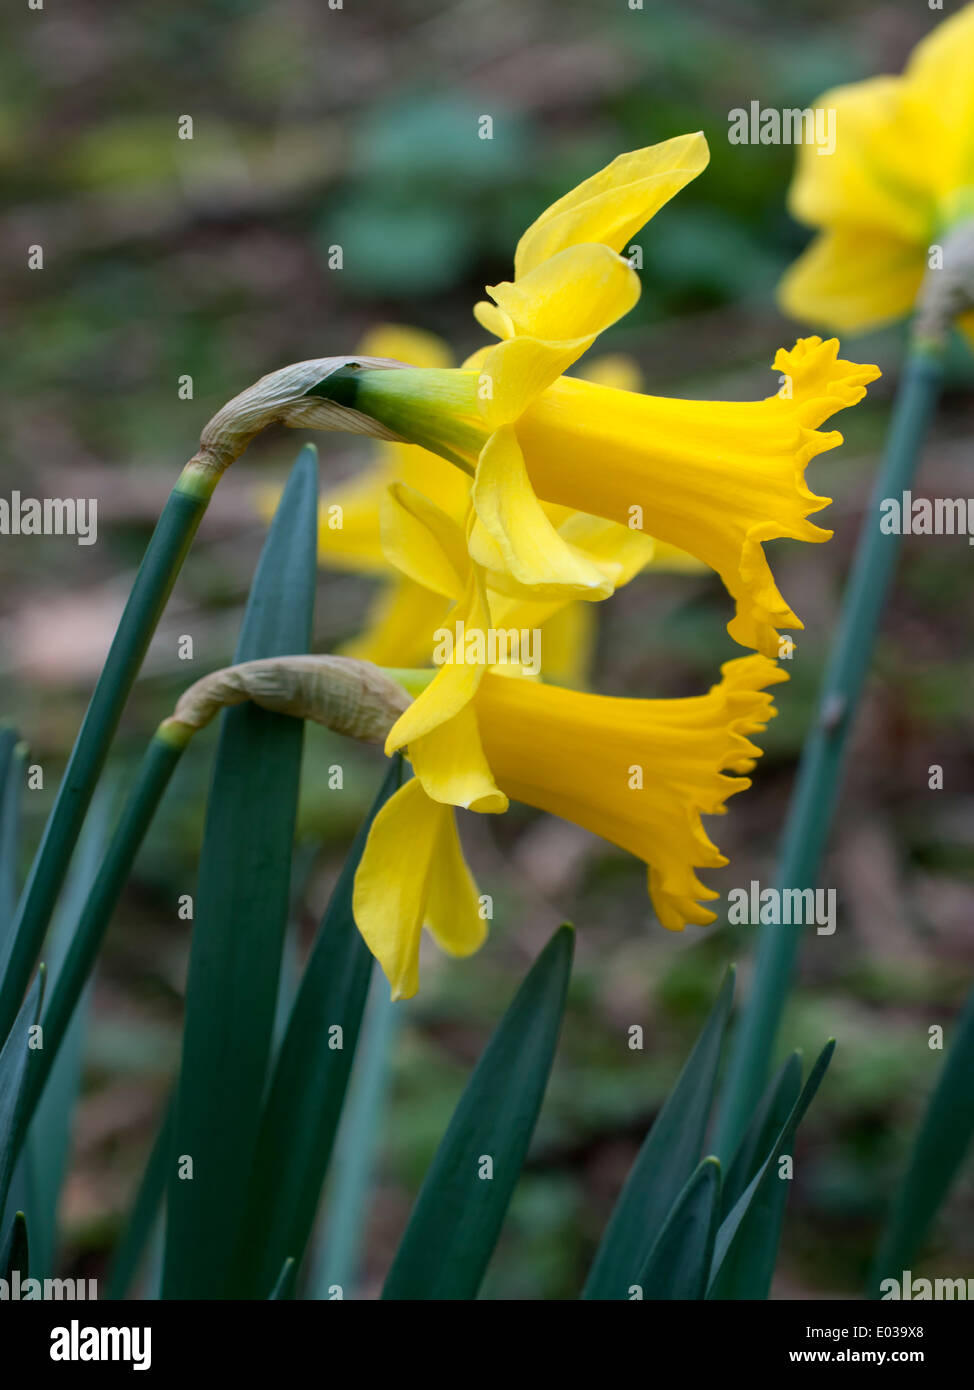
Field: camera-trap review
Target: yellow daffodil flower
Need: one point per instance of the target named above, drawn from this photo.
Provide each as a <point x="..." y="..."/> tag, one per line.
<point x="900" y="179"/>
<point x="712" y="479"/>
<point x="715" y="479"/>
<point x="407" y="612"/>
<point x="639" y="773"/>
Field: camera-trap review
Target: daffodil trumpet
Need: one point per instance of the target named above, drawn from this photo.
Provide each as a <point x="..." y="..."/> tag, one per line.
<point x="713" y="479"/>
<point x="638" y="773"/>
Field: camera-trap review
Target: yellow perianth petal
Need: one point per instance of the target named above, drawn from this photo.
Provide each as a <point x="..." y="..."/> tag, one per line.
<point x="901" y="174"/>
<point x="616" y="369"/>
<point x="348" y="521"/>
<point x="612" y="205"/>
<point x="523" y="538"/>
<point x="423" y="542"/>
<point x="556" y="311"/>
<point x="640" y="773"/>
<point x="462" y="663"/>
<point x="940" y="78"/>
<point x="568" y="644"/>
<point x="493" y="319"/>
<point x="403" y="344"/>
<point x="453" y="910"/>
<point x="451" y="765"/>
<point x="853" y="278"/>
<point x="348" y="524"/>
<point x="879" y="173"/>
<point x="400" y="625"/>
<point x="714" y="479"/>
<point x="411" y="866"/>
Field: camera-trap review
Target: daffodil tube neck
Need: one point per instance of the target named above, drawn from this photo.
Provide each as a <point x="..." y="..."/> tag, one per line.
<point x="435" y="408"/>
<point x="947" y="291"/>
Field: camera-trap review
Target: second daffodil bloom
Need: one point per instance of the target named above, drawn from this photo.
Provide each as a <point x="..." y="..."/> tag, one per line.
<point x="714" y="479"/>
<point x="900" y="181"/>
<point x="639" y="773"/>
<point x="412" y="605"/>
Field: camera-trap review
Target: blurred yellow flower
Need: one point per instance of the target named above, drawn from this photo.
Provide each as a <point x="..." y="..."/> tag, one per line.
<point x="639" y="773"/>
<point x="901" y="177"/>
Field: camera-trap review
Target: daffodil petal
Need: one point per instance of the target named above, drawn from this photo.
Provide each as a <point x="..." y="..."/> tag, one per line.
<point x="400" y="624"/>
<point x="556" y="311"/>
<point x="879" y="173"/>
<point x="411" y="862"/>
<point x="453" y="910"/>
<point x="450" y="763"/>
<point x="612" y="205"/>
<point x="615" y="369"/>
<point x="401" y="343"/>
<point x="531" y="548"/>
<point x="568" y="644"/>
<point x="938" y="78"/>
<point x="455" y="683"/>
<point x="423" y="542"/>
<point x="853" y="278"/>
<point x="493" y="319"/>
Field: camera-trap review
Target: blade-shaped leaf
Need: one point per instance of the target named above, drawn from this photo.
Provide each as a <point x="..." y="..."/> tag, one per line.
<point x="304" y="1100"/>
<point x="145" y="1209"/>
<point x="460" y="1209"/>
<point x="938" y="1152"/>
<point x="765" y="1125"/>
<point x="11" y="793"/>
<point x="747" y="1242"/>
<point x="48" y="1141"/>
<point x="240" y="917"/>
<point x="340" y="1236"/>
<point x="678" y="1265"/>
<point x="284" y="1288"/>
<point x="13" y="1072"/>
<point x="669" y="1155"/>
<point x="15" y="1253"/>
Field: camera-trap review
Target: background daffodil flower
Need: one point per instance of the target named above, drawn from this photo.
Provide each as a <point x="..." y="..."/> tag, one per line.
<point x="430" y="549"/>
<point x="901" y="177"/>
<point x="639" y="773"/>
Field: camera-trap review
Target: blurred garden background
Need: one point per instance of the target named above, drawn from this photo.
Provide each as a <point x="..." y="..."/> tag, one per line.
<point x="164" y="258"/>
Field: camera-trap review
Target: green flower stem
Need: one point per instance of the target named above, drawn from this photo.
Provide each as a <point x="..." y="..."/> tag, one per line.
<point x="817" y="786"/>
<point x="161" y="564"/>
<point x="151" y="781"/>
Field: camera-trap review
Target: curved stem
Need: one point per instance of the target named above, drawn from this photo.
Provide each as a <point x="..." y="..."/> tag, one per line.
<point x="817" y="786"/>
<point x="151" y="781"/>
<point x="163" y="559"/>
